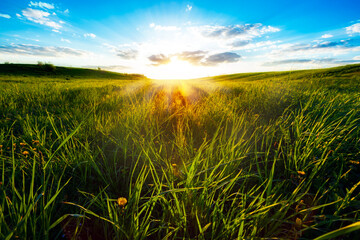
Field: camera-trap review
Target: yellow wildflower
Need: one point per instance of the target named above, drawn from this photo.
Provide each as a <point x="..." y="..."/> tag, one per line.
<point x="22" y="144"/>
<point x="121" y="201"/>
<point x="301" y="172"/>
<point x="25" y="153"/>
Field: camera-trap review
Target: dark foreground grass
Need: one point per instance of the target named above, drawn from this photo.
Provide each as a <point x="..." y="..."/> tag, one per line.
<point x="221" y="158"/>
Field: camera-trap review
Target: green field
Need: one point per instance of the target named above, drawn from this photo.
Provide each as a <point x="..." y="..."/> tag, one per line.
<point x="89" y="154"/>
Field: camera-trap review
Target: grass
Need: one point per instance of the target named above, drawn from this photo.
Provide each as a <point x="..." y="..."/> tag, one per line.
<point x="262" y="155"/>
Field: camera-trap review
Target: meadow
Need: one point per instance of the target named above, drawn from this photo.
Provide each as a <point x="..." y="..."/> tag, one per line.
<point x="88" y="154"/>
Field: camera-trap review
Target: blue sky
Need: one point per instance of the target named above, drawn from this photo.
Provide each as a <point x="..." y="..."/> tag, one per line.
<point x="181" y="39"/>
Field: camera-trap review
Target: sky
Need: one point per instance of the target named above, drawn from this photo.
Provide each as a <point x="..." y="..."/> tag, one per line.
<point x="181" y="39"/>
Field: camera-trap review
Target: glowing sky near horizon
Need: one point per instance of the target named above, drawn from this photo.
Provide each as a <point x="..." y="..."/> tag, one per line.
<point x="181" y="39"/>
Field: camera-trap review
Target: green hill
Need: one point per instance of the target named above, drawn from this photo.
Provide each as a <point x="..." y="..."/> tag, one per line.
<point x="342" y="71"/>
<point x="51" y="71"/>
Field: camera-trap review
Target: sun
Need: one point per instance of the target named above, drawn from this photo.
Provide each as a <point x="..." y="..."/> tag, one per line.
<point x="177" y="69"/>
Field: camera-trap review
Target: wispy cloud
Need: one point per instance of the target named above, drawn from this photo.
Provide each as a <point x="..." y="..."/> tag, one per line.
<point x="5" y="15"/>
<point x="225" y="57"/>
<point x="41" y="5"/>
<point x="65" y="40"/>
<point x="193" y="57"/>
<point x="163" y="28"/>
<point x="355" y="28"/>
<point x="90" y="35"/>
<point x="159" y="59"/>
<point x="308" y="61"/>
<point x="323" y="45"/>
<point x="41" y="17"/>
<point x="327" y="36"/>
<point x="127" y="54"/>
<point x="246" y="31"/>
<point x="188" y="8"/>
<point x="322" y="48"/>
<point x="240" y="43"/>
<point x="35" y="50"/>
<point x="127" y="51"/>
<point x="197" y="58"/>
<point x="292" y="61"/>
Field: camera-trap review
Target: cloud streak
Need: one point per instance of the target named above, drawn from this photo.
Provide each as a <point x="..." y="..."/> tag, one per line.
<point x="246" y="31"/>
<point x="89" y="35"/>
<point x="355" y="28"/>
<point x="159" y="59"/>
<point x="225" y="57"/>
<point x="323" y="48"/>
<point x="41" y="5"/>
<point x="65" y="40"/>
<point x="163" y="28"/>
<point x="127" y="54"/>
<point x="327" y="36"/>
<point x="35" y="50"/>
<point x="5" y="15"/>
<point x="197" y="58"/>
<point x="40" y="17"/>
<point x="309" y="61"/>
<point x="193" y="57"/>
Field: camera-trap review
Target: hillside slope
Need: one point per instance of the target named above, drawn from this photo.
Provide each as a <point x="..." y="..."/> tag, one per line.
<point x="51" y="71"/>
<point x="342" y="71"/>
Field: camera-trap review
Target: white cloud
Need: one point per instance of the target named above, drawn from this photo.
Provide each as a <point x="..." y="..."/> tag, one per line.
<point x="36" y="50"/>
<point x="244" y="32"/>
<point x="41" y="5"/>
<point x="311" y="51"/>
<point x="18" y="15"/>
<point x="163" y="28"/>
<point x="355" y="28"/>
<point x="57" y="31"/>
<point x="188" y="8"/>
<point x="127" y="54"/>
<point x="248" y="45"/>
<point x="357" y="58"/>
<point x="5" y="15"/>
<point x="124" y="51"/>
<point x="66" y="11"/>
<point x="65" y="40"/>
<point x="327" y="36"/>
<point x="41" y="17"/>
<point x="109" y="46"/>
<point x="91" y="35"/>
